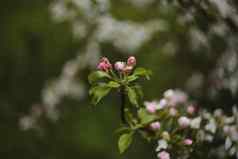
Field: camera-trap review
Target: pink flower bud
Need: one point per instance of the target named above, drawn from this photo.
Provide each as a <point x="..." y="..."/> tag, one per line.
<point x="191" y="109"/>
<point x="119" y="66"/>
<point x="105" y="60"/>
<point x="131" y="61"/>
<point x="155" y="125"/>
<point x="188" y="142"/>
<point x="151" y="107"/>
<point x="184" y="122"/>
<point x="164" y="155"/>
<point x="104" y="64"/>
<point x="101" y="66"/>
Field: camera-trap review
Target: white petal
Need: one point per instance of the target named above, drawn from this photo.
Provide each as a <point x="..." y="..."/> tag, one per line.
<point x="209" y="138"/>
<point x="229" y="120"/>
<point x="232" y="151"/>
<point x="162" y="144"/>
<point x="211" y="126"/>
<point x="195" y="123"/>
<point x="228" y="143"/>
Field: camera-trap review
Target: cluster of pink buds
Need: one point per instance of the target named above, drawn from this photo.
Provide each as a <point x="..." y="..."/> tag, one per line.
<point x="120" y="66"/>
<point x="124" y="67"/>
<point x="104" y="65"/>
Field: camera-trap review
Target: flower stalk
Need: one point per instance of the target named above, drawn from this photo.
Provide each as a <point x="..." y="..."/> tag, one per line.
<point x="123" y="105"/>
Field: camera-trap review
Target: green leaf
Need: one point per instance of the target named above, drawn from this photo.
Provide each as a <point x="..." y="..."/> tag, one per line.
<point x="142" y="72"/>
<point x="125" y="141"/>
<point x="98" y="93"/>
<point x="145" y="117"/>
<point x="113" y="84"/>
<point x="132" y="96"/>
<point x="97" y="75"/>
<point x="132" y="78"/>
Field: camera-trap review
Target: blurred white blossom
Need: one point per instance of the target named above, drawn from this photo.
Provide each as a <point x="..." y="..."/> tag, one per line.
<point x="162" y="145"/>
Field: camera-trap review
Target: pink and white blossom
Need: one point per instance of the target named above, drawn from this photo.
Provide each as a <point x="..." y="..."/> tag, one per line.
<point x="175" y="97"/>
<point x="119" y="66"/>
<point x="184" y="122"/>
<point x="162" y="103"/>
<point x="155" y="125"/>
<point x="151" y="107"/>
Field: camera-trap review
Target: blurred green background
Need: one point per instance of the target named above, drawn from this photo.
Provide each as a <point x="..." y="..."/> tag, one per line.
<point x="34" y="49"/>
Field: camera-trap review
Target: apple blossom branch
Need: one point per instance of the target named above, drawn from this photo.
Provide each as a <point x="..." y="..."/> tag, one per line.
<point x="174" y="121"/>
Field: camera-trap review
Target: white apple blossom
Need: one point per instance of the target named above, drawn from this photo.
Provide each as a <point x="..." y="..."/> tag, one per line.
<point x="195" y="123"/>
<point x="228" y="143"/>
<point x="211" y="126"/>
<point x="162" y="145"/>
<point x="184" y="122"/>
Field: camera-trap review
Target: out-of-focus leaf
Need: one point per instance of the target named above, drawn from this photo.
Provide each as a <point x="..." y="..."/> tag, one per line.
<point x="125" y="141"/>
<point x="98" y="92"/>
